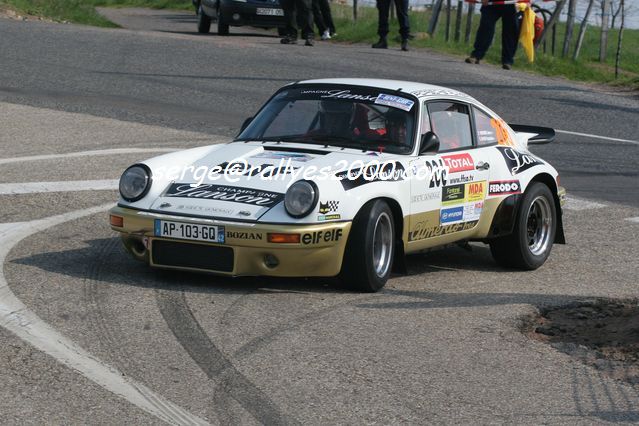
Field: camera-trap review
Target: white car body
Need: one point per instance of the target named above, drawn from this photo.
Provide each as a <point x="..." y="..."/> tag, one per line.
<point x="462" y="194"/>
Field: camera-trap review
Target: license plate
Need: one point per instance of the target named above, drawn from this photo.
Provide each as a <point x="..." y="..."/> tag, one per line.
<point x="189" y="231"/>
<point x="268" y="11"/>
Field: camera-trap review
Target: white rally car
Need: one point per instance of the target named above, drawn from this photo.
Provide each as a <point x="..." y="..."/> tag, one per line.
<point x="344" y="177"/>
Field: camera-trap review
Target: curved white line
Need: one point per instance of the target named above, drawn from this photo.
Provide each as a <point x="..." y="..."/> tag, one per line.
<point x="64" y="186"/>
<point x="114" y="151"/>
<point x="17" y="318"/>
<point x="588" y="135"/>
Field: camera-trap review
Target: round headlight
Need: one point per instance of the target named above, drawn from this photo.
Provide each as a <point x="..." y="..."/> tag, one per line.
<point x="135" y="182"/>
<point x="301" y="198"/>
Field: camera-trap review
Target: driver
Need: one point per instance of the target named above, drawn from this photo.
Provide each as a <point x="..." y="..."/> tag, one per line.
<point x="396" y="130"/>
<point x="335" y="117"/>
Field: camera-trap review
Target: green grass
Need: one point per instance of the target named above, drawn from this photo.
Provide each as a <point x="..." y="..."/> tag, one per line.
<point x="586" y="68"/>
<point x="83" y="11"/>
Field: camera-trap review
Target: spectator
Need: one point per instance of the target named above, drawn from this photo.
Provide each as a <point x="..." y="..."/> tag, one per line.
<point x="383" y="7"/>
<point x="297" y="9"/>
<point x="490" y="14"/>
<point x="325" y="11"/>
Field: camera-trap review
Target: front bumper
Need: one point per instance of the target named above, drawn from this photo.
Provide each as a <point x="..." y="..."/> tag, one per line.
<point x="239" y="13"/>
<point x="320" y="254"/>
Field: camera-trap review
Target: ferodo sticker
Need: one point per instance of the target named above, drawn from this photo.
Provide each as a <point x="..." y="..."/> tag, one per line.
<point x="504" y="187"/>
<point x="322" y="236"/>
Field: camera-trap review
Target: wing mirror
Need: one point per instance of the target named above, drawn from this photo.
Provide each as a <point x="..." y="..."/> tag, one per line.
<point x="428" y="143"/>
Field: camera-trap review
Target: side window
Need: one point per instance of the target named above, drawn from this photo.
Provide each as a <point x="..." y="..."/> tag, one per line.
<point x="486" y="132"/>
<point x="450" y="121"/>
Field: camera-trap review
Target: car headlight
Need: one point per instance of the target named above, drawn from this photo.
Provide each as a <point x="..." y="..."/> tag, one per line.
<point x="301" y="198"/>
<point x="135" y="182"/>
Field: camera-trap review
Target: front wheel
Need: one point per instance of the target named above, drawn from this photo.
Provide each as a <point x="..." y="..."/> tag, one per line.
<point x="370" y="249"/>
<point x="533" y="235"/>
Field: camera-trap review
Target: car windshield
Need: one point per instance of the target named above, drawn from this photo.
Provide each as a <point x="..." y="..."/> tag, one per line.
<point x="361" y="118"/>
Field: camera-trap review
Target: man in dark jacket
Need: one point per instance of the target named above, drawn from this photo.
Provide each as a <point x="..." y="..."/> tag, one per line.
<point x="383" y="7"/>
<point x="490" y="14"/>
<point x="292" y="10"/>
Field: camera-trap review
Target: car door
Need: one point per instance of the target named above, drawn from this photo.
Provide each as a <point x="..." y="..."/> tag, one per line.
<point x="447" y="201"/>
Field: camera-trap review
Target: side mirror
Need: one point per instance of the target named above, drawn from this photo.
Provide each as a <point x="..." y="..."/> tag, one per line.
<point x="246" y="123"/>
<point x="428" y="143"/>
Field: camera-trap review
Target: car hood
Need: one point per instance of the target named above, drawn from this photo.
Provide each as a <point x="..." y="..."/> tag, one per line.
<point x="244" y="180"/>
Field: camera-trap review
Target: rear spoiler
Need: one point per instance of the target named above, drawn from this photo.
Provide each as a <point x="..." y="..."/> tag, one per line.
<point x="538" y="135"/>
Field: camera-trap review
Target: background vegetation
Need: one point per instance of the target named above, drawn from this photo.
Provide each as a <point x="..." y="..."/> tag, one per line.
<point x="364" y="30"/>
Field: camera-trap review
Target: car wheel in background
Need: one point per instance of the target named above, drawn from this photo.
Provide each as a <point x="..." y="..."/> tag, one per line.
<point x="203" y="22"/>
<point x="530" y="243"/>
<point x="222" y="26"/>
<point x="371" y="245"/>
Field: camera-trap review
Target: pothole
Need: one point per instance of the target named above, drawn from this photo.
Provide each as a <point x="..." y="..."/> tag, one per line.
<point x="601" y="333"/>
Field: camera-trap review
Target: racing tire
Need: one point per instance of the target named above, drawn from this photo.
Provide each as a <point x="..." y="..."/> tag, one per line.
<point x="368" y="258"/>
<point x="222" y="26"/>
<point x="203" y="22"/>
<point x="533" y="235"/>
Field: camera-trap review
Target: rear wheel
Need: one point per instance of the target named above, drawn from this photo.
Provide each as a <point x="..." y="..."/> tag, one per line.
<point x="529" y="245"/>
<point x="370" y="249"/>
<point x="203" y="22"/>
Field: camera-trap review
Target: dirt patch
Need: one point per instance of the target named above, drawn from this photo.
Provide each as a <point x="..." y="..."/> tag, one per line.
<point x="602" y="333"/>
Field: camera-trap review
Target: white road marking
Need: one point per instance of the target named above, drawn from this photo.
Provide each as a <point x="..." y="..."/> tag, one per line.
<point x="65" y="186"/>
<point x="633" y="219"/>
<point x="114" y="151"/>
<point x="574" y="203"/>
<point x="17" y="318"/>
<point x="588" y="135"/>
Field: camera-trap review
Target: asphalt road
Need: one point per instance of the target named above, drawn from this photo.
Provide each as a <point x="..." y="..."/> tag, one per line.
<point x="87" y="335"/>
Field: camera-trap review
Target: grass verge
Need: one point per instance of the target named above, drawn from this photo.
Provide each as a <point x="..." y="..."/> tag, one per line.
<point x="83" y="11"/>
<point x="586" y="68"/>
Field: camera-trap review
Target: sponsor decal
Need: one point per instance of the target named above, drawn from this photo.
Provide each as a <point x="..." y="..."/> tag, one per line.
<point x="244" y="235"/>
<point x="319" y="236"/>
<point x="459" y="163"/>
<point x="487" y="137"/>
<point x="394" y="101"/>
<point x="472" y="211"/>
<point x="224" y="193"/>
<point x="504" y="187"/>
<point x="455" y="214"/>
<point x="429" y="196"/>
<point x="501" y="133"/>
<point x="343" y="94"/>
<point x="437" y="171"/>
<point x="386" y="172"/>
<point x="322" y="218"/>
<point x="453" y="194"/>
<point x="421" y="232"/>
<point x="329" y="206"/>
<point x="283" y="156"/>
<point x="462" y="178"/>
<point x="475" y="191"/>
<point x="516" y="161"/>
<point x="438" y="92"/>
<point x="204" y="209"/>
